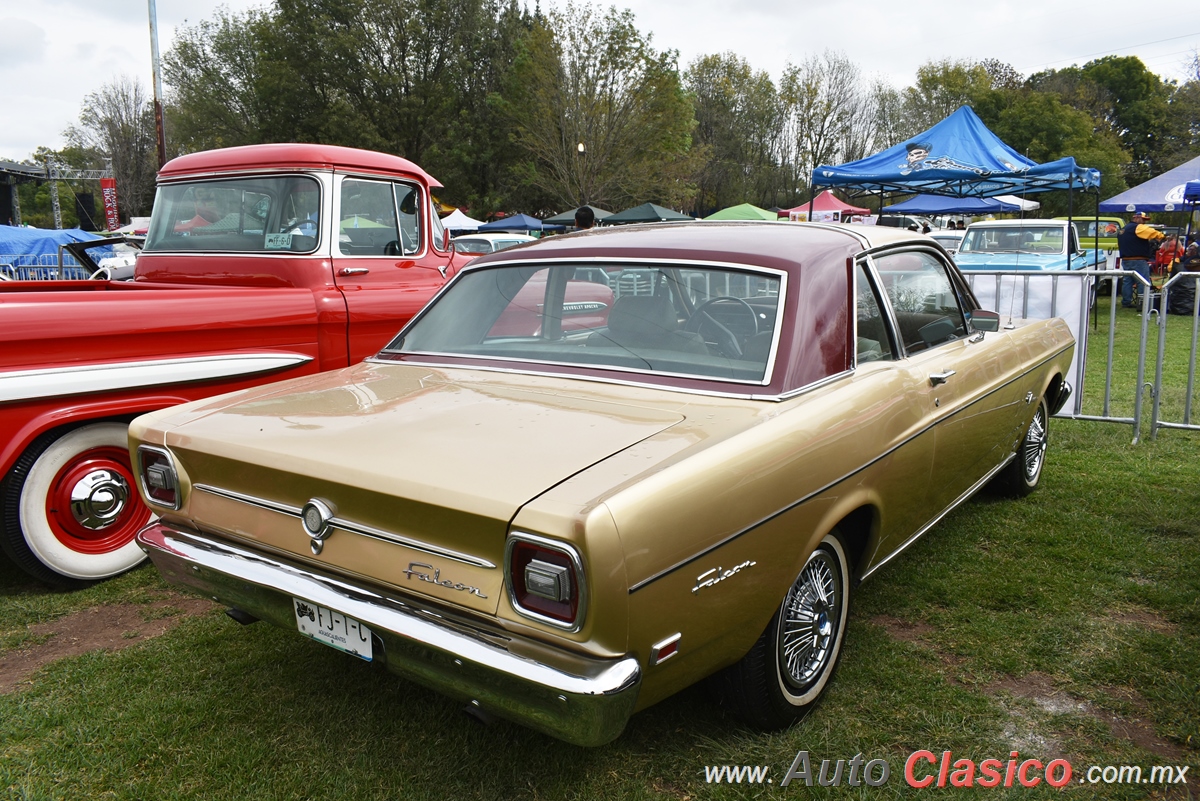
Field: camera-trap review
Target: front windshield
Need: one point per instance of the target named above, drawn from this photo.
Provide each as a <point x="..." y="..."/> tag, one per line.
<point x="277" y="213"/>
<point x="1013" y="239"/>
<point x="703" y="322"/>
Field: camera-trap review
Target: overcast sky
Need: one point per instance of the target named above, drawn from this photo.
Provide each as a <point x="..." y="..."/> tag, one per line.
<point x="55" y="52"/>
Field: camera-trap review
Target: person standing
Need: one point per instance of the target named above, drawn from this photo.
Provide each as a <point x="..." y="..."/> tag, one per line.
<point x="1134" y="244"/>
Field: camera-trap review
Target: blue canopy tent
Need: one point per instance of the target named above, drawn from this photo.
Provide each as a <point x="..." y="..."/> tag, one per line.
<point x="959" y="157"/>
<point x="943" y="204"/>
<point x="33" y="252"/>
<point x="517" y="222"/>
<point x="1164" y="193"/>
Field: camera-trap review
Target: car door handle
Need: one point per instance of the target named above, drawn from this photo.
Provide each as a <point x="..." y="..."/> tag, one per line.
<point x="354" y="271"/>
<point x="940" y="378"/>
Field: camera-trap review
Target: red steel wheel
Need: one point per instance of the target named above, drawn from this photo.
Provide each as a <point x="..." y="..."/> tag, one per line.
<point x="76" y="506"/>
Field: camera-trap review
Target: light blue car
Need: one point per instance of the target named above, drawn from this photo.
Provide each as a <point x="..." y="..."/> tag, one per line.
<point x="1024" y="245"/>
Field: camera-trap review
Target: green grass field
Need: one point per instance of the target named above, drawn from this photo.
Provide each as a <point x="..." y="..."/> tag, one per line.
<point x="1065" y="625"/>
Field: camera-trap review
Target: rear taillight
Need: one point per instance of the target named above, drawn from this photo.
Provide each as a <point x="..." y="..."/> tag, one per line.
<point x="156" y="472"/>
<point x="545" y="580"/>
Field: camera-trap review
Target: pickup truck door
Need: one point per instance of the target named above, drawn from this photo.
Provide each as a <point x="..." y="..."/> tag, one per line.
<point x="384" y="261"/>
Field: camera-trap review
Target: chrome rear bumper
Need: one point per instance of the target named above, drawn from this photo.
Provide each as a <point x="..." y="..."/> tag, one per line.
<point x="582" y="700"/>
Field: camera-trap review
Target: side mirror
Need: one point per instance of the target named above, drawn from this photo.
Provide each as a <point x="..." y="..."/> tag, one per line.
<point x="985" y="321"/>
<point x="445" y="239"/>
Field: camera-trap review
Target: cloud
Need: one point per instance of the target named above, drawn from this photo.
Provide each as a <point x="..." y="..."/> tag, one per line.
<point x="24" y="43"/>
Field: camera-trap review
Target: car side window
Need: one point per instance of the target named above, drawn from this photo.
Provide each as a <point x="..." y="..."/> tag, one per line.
<point x="874" y="344"/>
<point x="367" y="220"/>
<point x="408" y="203"/>
<point x="927" y="307"/>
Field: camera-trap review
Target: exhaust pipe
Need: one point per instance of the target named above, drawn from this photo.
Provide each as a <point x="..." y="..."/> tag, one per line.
<point x="245" y="618"/>
<point x="478" y="714"/>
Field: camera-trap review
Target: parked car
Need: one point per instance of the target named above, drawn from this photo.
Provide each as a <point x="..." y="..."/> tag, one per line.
<point x="1024" y="245"/>
<point x="564" y="525"/>
<point x="903" y="221"/>
<point x="1108" y="229"/>
<point x="948" y="239"/>
<point x="478" y="244"/>
<point x="261" y="262"/>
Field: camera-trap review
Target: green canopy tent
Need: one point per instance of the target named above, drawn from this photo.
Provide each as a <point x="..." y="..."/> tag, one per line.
<point x="743" y="211"/>
<point x="568" y="217"/>
<point x="647" y="212"/>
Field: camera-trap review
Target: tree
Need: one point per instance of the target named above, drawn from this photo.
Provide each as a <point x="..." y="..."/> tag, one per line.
<point x="601" y="116"/>
<point x="822" y="97"/>
<point x="215" y="71"/>
<point x="738" y="117"/>
<point x="942" y="87"/>
<point x="117" y="124"/>
<point x="1138" y="111"/>
<point x="1043" y="128"/>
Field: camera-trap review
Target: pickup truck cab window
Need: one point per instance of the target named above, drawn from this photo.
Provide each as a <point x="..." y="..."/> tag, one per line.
<point x="378" y="218"/>
<point x="240" y="215"/>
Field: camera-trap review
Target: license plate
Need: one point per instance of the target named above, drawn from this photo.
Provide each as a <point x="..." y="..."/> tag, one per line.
<point x="333" y="628"/>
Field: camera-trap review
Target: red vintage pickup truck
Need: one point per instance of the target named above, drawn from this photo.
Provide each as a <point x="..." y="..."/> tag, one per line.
<point x="261" y="263"/>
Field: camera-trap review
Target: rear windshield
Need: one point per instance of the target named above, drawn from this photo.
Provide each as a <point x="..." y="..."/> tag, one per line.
<point x="693" y="321"/>
<point x="240" y="215"/>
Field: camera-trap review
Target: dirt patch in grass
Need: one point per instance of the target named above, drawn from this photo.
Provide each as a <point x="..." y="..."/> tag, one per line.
<point x="1039" y="688"/>
<point x="108" y="628"/>
<point x="1139" y="618"/>
<point x="904" y="630"/>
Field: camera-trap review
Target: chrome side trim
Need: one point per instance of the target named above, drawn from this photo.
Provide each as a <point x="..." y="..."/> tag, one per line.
<point x="709" y="549"/>
<point x="348" y="526"/>
<point x="978" y="485"/>
<point x="576" y="697"/>
<point x="86" y="379"/>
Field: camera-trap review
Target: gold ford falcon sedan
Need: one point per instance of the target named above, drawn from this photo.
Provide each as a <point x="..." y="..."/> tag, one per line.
<point x="602" y="467"/>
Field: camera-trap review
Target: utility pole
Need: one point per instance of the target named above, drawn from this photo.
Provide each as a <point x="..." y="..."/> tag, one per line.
<point x="158" y="109"/>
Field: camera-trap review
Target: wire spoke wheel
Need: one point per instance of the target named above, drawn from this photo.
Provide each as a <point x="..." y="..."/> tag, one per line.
<point x="809" y="621"/>
<point x="1033" y="449"/>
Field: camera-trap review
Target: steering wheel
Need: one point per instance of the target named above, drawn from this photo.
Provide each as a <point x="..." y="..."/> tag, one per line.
<point x="727" y="341"/>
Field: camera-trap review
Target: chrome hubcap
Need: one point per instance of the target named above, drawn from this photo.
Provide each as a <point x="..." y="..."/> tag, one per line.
<point x="810" y="612"/>
<point x="98" y="499"/>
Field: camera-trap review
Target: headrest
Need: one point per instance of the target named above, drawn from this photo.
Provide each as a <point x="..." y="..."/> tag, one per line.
<point x="642" y="315"/>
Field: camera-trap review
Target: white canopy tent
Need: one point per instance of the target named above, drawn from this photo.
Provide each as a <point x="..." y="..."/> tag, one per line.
<point x="1020" y="202"/>
<point x="456" y="222"/>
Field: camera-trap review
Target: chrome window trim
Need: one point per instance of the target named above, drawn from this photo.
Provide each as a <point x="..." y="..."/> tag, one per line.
<point x="586" y="366"/>
<point x="567" y="550"/>
<point x="348" y="526"/>
<point x="423" y="225"/>
<point x="322" y="178"/>
<point x="709" y="393"/>
<point x="142" y="481"/>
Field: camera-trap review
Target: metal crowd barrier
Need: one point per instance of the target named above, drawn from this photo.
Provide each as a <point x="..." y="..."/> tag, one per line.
<point x="45" y="267"/>
<point x="1073" y="296"/>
